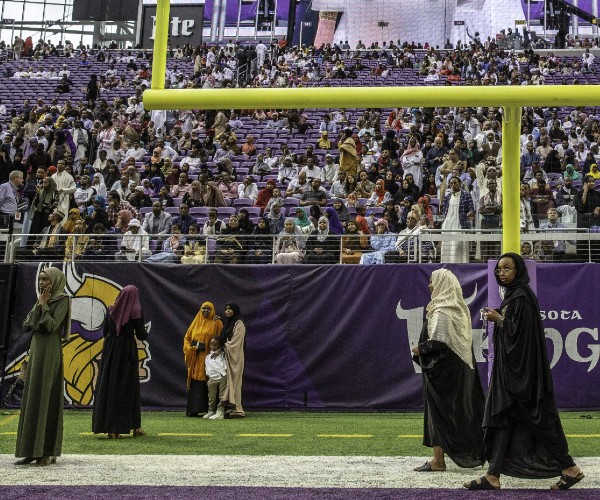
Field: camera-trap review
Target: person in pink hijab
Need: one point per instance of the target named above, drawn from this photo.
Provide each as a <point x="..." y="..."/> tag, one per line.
<point x="117" y="394"/>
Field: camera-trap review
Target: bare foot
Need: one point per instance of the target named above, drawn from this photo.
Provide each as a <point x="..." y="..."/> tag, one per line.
<point x="572" y="471"/>
<point x="441" y="466"/>
<point x="493" y="480"/>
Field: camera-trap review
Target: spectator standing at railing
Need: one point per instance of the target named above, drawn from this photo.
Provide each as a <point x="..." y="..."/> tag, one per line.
<point x="458" y="212"/>
<point x="348" y="153"/>
<point x="586" y="202"/>
<point x="9" y="199"/>
<point x="565" y="200"/>
<point x="65" y="186"/>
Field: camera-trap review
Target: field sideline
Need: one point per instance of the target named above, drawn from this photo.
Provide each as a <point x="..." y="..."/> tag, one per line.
<point x="267" y="456"/>
<point x="277" y="433"/>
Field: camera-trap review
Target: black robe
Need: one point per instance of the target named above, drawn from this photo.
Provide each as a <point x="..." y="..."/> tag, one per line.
<point x="117" y="394"/>
<point x="330" y="246"/>
<point x="521" y="393"/>
<point x="454" y="402"/>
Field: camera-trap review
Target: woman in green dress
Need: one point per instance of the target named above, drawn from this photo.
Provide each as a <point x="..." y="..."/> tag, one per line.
<point x="39" y="436"/>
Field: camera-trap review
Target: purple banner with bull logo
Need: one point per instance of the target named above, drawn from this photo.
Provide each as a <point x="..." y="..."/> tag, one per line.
<point x="317" y="336"/>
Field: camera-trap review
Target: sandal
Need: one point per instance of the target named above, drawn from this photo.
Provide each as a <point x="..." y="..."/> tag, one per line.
<point x="139" y="432"/>
<point x="25" y="461"/>
<point x="45" y="461"/>
<point x="480" y="484"/>
<point x="114" y="436"/>
<point x="566" y="482"/>
<point x="426" y="467"/>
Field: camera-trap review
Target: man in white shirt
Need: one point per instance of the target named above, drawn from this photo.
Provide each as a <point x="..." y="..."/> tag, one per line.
<point x="261" y="51"/>
<point x="167" y="150"/>
<point x="297" y="186"/>
<point x="136" y="151"/>
<point x="83" y="194"/>
<point x="248" y="188"/>
<point x="65" y="187"/>
<point x="135" y="242"/>
<point x="330" y="170"/>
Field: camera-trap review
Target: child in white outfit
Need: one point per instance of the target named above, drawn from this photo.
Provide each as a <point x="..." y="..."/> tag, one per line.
<point x="216" y="371"/>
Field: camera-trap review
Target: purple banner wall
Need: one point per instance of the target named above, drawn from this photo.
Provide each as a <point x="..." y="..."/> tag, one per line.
<point x="318" y="336"/>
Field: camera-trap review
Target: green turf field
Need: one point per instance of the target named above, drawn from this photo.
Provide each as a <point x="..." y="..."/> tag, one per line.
<point x="277" y="433"/>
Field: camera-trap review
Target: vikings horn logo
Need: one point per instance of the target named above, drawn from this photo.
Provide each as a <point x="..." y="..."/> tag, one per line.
<point x="91" y="295"/>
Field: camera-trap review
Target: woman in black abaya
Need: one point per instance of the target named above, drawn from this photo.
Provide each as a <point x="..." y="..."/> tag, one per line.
<point x="452" y="392"/>
<point x="523" y="434"/>
<point x="117" y="395"/>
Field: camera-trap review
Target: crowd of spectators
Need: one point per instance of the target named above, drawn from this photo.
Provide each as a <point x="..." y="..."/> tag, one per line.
<point x="160" y="180"/>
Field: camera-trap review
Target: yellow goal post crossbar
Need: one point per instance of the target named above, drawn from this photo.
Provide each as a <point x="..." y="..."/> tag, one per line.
<point x="511" y="98"/>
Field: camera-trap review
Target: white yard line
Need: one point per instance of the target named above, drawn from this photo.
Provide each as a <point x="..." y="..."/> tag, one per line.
<point x="273" y="471"/>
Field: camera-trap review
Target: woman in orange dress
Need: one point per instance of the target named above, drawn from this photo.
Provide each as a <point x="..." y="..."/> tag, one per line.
<point x="195" y="346"/>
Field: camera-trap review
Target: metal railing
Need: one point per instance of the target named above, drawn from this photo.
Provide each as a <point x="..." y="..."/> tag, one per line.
<point x="430" y="245"/>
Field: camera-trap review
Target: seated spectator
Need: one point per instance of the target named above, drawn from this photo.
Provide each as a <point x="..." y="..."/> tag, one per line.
<point x="380" y="195"/>
<point x="276" y="219"/>
<point x="381" y="242"/>
<point x="298" y="186"/>
<point x="260" y="246"/>
<point x="322" y="247"/>
<point x="50" y="245"/>
<point x="354" y="243"/>
<point x="342" y="211"/>
<point x="139" y="198"/>
<point x="184" y="220"/>
<point x="229" y="188"/>
<point x="72" y="217"/>
<point x="182" y="187"/>
<point x="172" y="248"/>
<point x="302" y="222"/>
<point x="265" y="194"/>
<point x="100" y="246"/>
<point x="261" y="167"/>
<point x="158" y="222"/>
<point x="77" y="243"/>
<point x="338" y="188"/>
<point x="314" y="195"/>
<point x="213" y="225"/>
<point x="570" y="172"/>
<point x="230" y="248"/>
<point x="249" y="148"/>
<point x="194" y="250"/>
<point x="407" y="244"/>
<point x="323" y="142"/>
<point x="290" y="244"/>
<point x="135" y="243"/>
<point x="248" y="188"/>
<point x="194" y="198"/>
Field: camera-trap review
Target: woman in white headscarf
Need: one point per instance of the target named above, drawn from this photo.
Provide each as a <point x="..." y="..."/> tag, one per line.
<point x="99" y="185"/>
<point x="452" y="393"/>
<point x="290" y="244"/>
<point x="322" y="246"/>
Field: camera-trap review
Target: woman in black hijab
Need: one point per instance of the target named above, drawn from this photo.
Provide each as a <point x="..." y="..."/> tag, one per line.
<point x="260" y="246"/>
<point x="233" y="338"/>
<point x="523" y="434"/>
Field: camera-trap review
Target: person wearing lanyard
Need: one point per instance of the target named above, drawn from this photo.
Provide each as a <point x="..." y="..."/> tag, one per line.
<point x="8" y="199"/>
